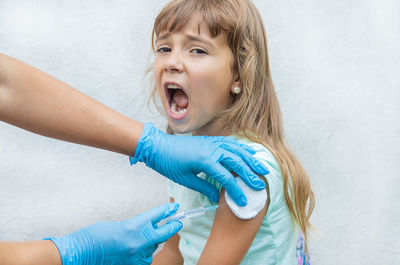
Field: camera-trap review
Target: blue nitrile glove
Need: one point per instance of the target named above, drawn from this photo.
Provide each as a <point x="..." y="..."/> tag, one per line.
<point x="127" y="242"/>
<point x="180" y="158"/>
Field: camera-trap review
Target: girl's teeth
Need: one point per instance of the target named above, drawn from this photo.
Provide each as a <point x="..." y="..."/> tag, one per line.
<point x="175" y="110"/>
<point x="173" y="87"/>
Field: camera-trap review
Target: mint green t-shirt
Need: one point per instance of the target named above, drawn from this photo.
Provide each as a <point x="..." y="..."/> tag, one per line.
<point x="275" y="242"/>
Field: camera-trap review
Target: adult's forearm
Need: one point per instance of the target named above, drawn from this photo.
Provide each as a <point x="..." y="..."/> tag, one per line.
<point x="35" y="101"/>
<point x="29" y="253"/>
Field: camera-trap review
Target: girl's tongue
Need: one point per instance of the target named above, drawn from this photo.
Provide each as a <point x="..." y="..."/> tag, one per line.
<point x="181" y="99"/>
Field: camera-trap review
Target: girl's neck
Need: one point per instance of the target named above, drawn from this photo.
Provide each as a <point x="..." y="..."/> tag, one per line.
<point x="217" y="128"/>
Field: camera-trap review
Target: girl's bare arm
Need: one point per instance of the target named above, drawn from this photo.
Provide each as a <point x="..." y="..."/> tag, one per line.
<point x="32" y="100"/>
<point x="170" y="254"/>
<point x="230" y="237"/>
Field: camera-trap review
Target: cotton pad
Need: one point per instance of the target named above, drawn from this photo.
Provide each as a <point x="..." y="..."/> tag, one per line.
<point x="255" y="201"/>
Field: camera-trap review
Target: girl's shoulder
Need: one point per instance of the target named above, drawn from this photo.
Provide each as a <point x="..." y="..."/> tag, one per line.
<point x="274" y="177"/>
<point x="263" y="154"/>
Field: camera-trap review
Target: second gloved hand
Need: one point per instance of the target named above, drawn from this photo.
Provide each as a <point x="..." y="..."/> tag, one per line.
<point x="181" y="158"/>
<point x="127" y="242"/>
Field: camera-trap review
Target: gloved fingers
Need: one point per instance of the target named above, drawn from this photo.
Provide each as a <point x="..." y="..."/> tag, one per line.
<point x="165" y="232"/>
<point x="155" y="215"/>
<point x="251" y="161"/>
<point x="140" y="261"/>
<point x="234" y="143"/>
<point x="223" y="176"/>
<point x="146" y="254"/>
<point x="145" y="261"/>
<point x="198" y="184"/>
<point x="236" y="164"/>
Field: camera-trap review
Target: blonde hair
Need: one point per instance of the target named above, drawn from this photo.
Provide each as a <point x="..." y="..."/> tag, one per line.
<point x="255" y="113"/>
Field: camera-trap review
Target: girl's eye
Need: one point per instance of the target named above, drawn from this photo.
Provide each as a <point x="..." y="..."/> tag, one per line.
<point x="199" y="51"/>
<point x="164" y="49"/>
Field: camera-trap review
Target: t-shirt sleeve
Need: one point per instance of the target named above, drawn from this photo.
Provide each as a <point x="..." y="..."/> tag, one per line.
<point x="274" y="177"/>
<point x="171" y="188"/>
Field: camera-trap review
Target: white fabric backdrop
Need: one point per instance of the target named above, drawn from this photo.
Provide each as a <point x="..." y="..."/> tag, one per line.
<point x="336" y="68"/>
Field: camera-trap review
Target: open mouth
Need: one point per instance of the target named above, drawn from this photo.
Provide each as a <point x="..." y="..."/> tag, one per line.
<point x="178" y="101"/>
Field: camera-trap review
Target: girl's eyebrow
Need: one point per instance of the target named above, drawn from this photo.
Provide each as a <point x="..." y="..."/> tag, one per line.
<point x="166" y="35"/>
<point x="199" y="39"/>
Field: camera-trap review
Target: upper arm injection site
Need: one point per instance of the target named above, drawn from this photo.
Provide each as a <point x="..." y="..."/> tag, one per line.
<point x="256" y="201"/>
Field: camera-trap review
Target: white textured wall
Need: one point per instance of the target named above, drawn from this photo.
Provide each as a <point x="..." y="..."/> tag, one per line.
<point x="336" y="67"/>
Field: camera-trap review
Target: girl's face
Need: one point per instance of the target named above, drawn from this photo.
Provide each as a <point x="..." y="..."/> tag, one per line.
<point x="193" y="76"/>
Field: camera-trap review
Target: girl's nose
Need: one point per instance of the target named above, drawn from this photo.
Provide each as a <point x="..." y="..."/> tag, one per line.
<point x="174" y="63"/>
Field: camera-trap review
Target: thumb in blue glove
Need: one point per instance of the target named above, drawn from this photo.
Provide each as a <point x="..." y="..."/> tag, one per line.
<point x="131" y="241"/>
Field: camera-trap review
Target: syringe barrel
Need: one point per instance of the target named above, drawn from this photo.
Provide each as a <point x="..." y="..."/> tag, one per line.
<point x="194" y="212"/>
<point x="187" y="214"/>
<point x="174" y="217"/>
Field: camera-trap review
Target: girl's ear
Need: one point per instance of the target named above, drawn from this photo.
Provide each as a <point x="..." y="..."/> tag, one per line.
<point x="236" y="87"/>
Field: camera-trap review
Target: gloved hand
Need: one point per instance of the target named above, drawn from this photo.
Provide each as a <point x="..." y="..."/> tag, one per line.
<point x="181" y="158"/>
<point x="127" y="242"/>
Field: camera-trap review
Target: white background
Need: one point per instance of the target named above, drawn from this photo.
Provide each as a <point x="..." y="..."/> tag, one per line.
<point x="336" y="68"/>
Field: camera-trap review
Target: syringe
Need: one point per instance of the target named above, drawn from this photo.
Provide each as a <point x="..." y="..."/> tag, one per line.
<point x="188" y="214"/>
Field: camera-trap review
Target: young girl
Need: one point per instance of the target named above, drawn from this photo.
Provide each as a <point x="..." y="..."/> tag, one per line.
<point x="212" y="74"/>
